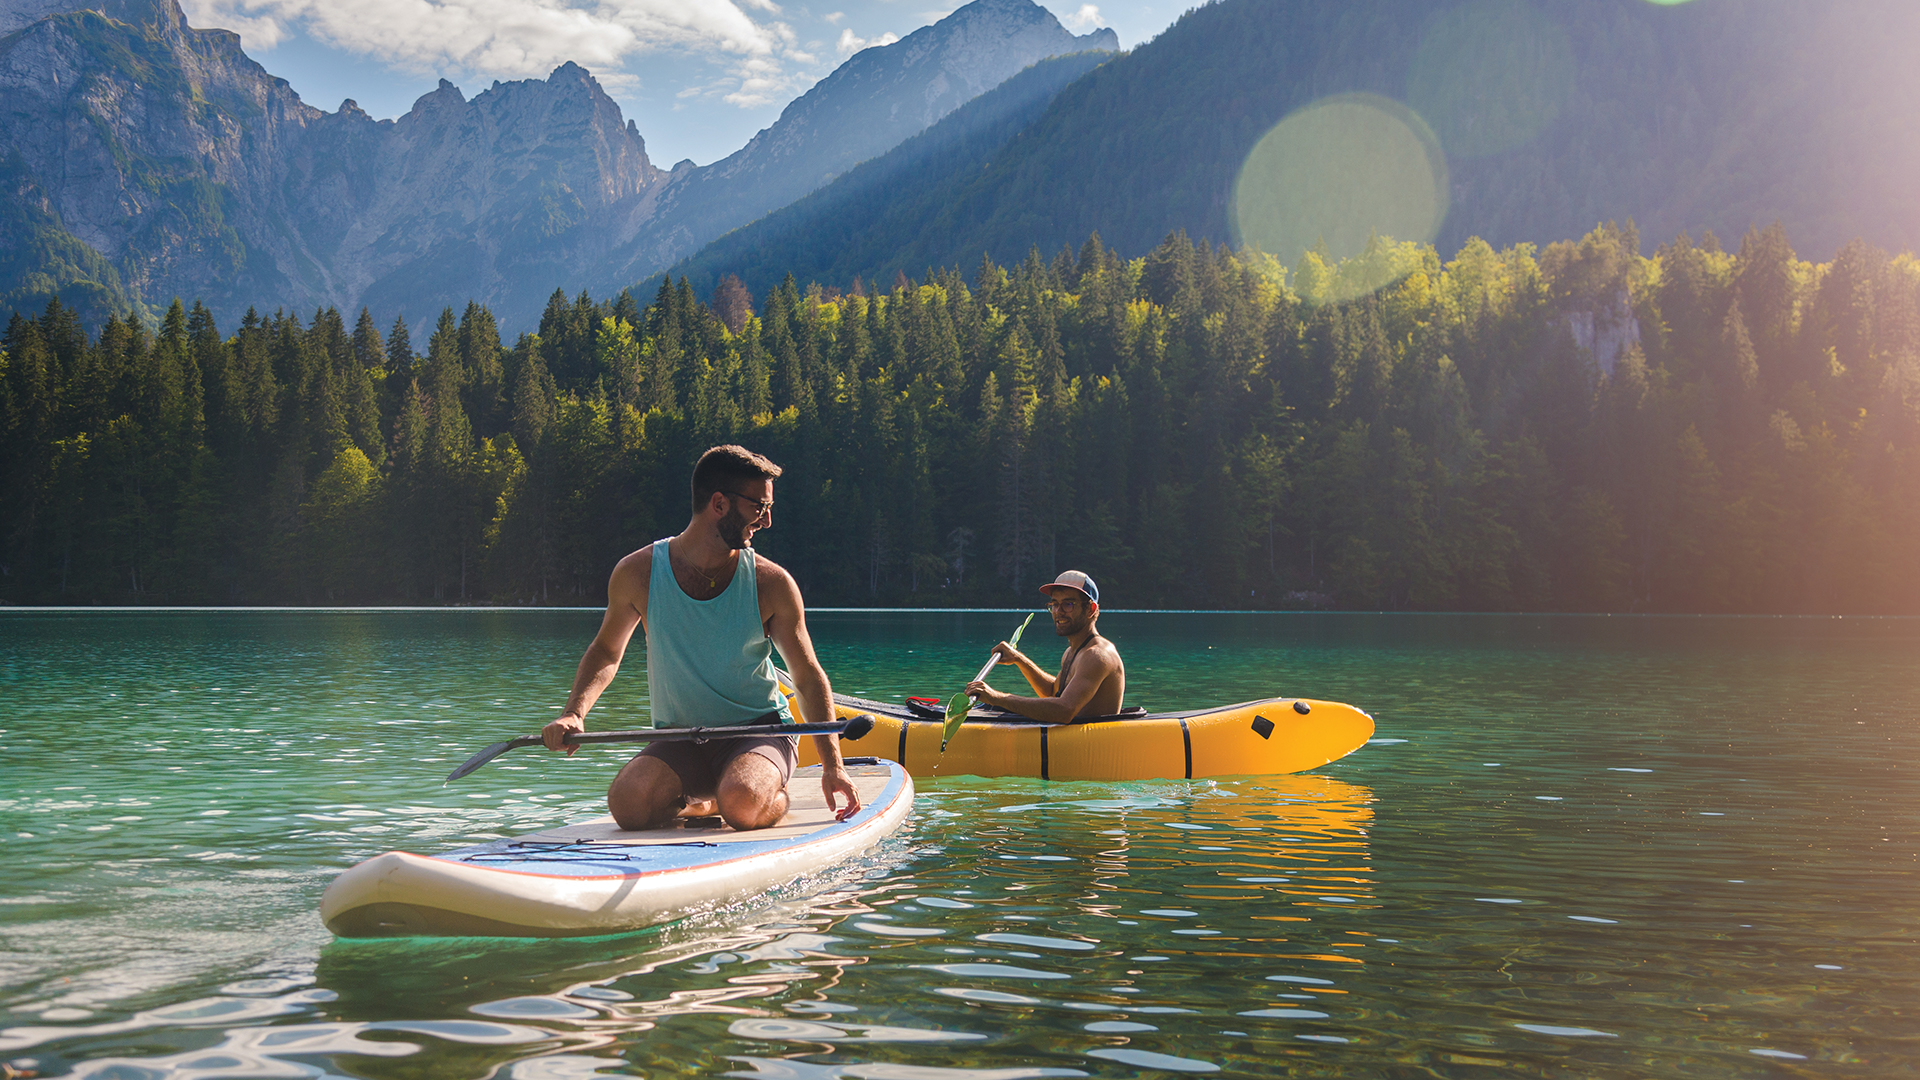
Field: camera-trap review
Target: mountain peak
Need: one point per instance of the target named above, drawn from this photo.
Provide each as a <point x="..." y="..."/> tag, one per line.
<point x="1024" y="13"/>
<point x="442" y="97"/>
<point x="971" y="51"/>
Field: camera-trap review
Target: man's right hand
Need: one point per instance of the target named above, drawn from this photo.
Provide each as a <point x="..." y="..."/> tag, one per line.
<point x="1007" y="653"/>
<point x="554" y="735"/>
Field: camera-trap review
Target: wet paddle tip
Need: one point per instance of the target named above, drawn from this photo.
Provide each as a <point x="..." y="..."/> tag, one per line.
<point x="857" y="728"/>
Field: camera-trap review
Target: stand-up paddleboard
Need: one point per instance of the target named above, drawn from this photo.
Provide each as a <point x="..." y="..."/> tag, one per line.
<point x="596" y="878"/>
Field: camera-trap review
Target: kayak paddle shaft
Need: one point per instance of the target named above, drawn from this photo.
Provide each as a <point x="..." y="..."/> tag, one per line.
<point x="851" y="729"/>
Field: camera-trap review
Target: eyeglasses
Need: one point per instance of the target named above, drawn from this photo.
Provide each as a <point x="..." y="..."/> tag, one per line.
<point x="760" y="506"/>
<point x="1067" y="604"/>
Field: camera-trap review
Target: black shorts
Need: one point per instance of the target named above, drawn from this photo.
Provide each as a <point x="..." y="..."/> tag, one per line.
<point x="699" y="765"/>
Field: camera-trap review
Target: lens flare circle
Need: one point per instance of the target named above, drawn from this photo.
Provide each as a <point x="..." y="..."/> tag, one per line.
<point x="1336" y="173"/>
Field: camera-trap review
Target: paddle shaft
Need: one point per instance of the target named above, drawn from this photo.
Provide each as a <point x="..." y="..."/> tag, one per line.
<point x="962" y="702"/>
<point x="994" y="658"/>
<point x="853" y="728"/>
<point x="991" y="661"/>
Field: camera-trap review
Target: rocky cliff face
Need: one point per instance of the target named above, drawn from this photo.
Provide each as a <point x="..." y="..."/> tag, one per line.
<point x="155" y="145"/>
<point x="142" y="159"/>
<point x="501" y="198"/>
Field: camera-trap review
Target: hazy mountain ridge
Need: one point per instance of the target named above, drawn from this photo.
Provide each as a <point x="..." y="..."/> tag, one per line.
<point x="1710" y="115"/>
<point x="822" y="235"/>
<point x="147" y="159"/>
<point x="873" y="102"/>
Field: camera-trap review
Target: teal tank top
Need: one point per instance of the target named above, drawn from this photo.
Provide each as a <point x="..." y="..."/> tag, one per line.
<point x="709" y="662"/>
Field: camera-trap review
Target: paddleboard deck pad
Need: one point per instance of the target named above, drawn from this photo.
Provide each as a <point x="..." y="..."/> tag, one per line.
<point x="596" y="878"/>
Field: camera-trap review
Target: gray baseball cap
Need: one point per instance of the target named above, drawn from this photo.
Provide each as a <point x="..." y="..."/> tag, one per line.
<point x="1077" y="580"/>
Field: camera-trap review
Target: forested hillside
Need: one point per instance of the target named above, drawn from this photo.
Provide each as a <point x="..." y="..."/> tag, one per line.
<point x="1714" y="114"/>
<point x="1571" y="428"/>
<point x="824" y="236"/>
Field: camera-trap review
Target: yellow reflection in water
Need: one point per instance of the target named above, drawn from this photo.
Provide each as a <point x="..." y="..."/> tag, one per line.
<point x="1296" y="841"/>
<point x="1336" y="174"/>
<point x="1309" y="828"/>
<point x="1489" y="75"/>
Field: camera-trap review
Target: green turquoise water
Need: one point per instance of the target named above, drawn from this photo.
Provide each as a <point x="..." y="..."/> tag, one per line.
<point x="1579" y="846"/>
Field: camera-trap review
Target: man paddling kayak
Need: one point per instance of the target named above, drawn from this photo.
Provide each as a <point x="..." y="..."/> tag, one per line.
<point x="1092" y="680"/>
<point x="713" y="611"/>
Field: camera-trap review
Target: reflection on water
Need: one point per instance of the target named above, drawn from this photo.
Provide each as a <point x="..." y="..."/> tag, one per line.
<point x="1594" y="847"/>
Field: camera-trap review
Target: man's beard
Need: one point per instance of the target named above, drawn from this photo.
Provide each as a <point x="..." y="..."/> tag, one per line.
<point x="1070" y="627"/>
<point x="733" y="530"/>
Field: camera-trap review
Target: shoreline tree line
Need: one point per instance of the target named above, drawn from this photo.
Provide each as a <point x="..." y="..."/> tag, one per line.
<point x="1567" y="428"/>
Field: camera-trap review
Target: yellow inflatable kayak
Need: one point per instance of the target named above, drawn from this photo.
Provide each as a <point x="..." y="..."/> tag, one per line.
<point x="1254" y="738"/>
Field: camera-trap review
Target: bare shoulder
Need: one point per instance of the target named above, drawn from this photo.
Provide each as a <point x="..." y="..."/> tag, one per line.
<point x="779" y="593"/>
<point x="768" y="574"/>
<point x="631" y="576"/>
<point x="1103" y="655"/>
<point x="637" y="566"/>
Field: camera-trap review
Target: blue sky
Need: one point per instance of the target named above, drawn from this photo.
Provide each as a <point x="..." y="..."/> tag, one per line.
<point x="698" y="77"/>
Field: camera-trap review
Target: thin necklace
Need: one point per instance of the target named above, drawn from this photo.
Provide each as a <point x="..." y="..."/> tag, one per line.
<point x="712" y="582"/>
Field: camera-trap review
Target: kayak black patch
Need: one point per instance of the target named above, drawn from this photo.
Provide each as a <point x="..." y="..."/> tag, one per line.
<point x="1186" y="736"/>
<point x="1302" y="708"/>
<point x="1263" y="727"/>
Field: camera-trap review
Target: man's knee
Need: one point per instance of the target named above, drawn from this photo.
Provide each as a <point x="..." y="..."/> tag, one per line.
<point x="752" y="793"/>
<point x="644" y="795"/>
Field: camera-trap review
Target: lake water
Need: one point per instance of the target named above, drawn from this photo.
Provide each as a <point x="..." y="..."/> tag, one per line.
<point x="1617" y="847"/>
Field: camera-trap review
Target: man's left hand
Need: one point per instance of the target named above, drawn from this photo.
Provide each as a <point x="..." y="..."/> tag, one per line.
<point x="981" y="692"/>
<point x="835" y="782"/>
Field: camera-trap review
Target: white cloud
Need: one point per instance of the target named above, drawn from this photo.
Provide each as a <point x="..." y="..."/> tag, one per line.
<point x="851" y="43"/>
<point x="761" y="82"/>
<point x="832" y="18"/>
<point x="1086" y="18"/>
<point x="257" y="32"/>
<point x="517" y="39"/>
<point x="618" y="83"/>
<point x="520" y="39"/>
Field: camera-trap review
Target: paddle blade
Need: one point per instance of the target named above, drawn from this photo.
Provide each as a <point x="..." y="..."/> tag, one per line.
<point x="961" y="704"/>
<point x="479" y="759"/>
<point x="956" y="713"/>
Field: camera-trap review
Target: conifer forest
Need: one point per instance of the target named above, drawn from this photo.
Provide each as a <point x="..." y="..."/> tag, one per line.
<point x="1568" y="428"/>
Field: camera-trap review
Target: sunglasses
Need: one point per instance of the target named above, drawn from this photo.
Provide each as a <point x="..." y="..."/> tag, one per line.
<point x="760" y="506"/>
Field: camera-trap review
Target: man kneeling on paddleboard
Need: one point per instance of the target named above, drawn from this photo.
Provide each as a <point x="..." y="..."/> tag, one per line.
<point x="713" y="612"/>
<point x="1092" y="681"/>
